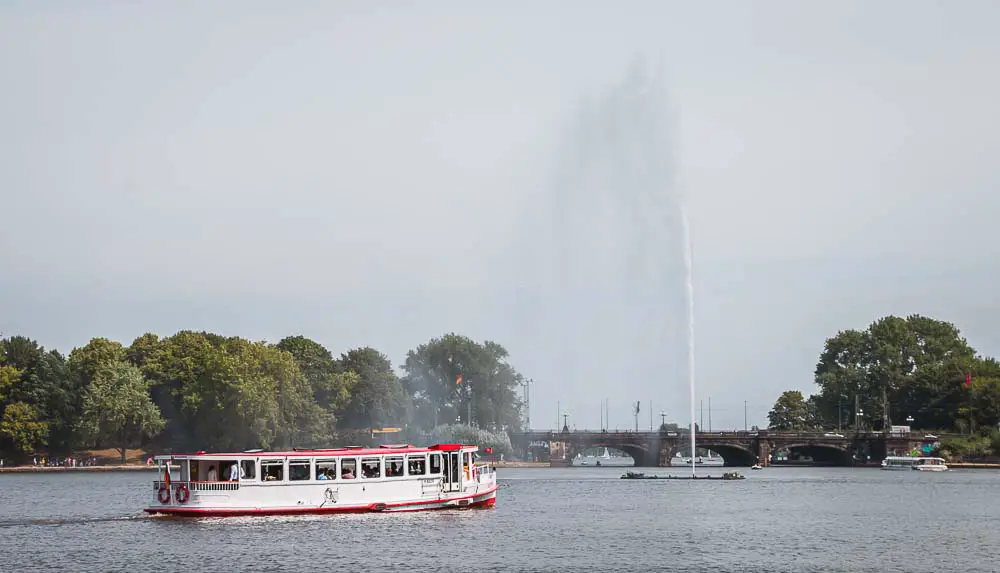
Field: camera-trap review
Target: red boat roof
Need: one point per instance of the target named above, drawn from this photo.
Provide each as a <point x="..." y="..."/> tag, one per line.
<point x="331" y="452"/>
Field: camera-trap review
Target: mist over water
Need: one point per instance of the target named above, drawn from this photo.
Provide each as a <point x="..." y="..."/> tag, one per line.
<point x="611" y="274"/>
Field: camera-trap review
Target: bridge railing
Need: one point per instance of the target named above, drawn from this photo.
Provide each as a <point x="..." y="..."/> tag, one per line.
<point x="745" y="434"/>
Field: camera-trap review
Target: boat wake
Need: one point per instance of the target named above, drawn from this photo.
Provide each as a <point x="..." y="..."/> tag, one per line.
<point x="67" y="520"/>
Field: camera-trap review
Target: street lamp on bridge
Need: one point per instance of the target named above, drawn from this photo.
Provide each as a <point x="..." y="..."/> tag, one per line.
<point x="565" y="425"/>
<point x="909" y="420"/>
<point x="663" y="419"/>
<point x="858" y="422"/>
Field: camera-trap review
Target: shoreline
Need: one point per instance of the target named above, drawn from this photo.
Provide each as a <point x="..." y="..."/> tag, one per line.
<point x="973" y="465"/>
<point x="60" y="469"/>
<point x="498" y="465"/>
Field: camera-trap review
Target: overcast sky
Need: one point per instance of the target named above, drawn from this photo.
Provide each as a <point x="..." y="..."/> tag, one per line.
<point x="369" y="174"/>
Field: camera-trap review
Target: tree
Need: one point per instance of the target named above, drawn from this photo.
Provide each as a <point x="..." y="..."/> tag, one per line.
<point x="488" y="383"/>
<point x="172" y="365"/>
<point x="44" y="383"/>
<point x="97" y="355"/>
<point x="893" y="369"/>
<point x="790" y="412"/>
<point x="378" y="399"/>
<point x="331" y="389"/>
<point x="21" y="424"/>
<point x="117" y="407"/>
<point x="228" y="393"/>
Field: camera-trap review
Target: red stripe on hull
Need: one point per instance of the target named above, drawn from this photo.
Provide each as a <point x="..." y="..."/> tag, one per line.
<point x="408" y="506"/>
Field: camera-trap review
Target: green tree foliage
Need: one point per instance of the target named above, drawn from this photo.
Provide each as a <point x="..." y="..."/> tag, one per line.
<point x="489" y="383"/>
<point x="117" y="408"/>
<point x="22" y="426"/>
<point x="790" y="412"/>
<point x="229" y="393"/>
<point x="44" y="383"/>
<point x="331" y="388"/>
<point x="98" y="354"/>
<point x="905" y="367"/>
<point x="9" y="378"/>
<point x="378" y="399"/>
<point x="199" y="390"/>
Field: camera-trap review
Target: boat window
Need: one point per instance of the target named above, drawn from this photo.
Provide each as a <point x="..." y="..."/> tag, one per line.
<point x="435" y="463"/>
<point x="394" y="466"/>
<point x="371" y="468"/>
<point x="249" y="469"/>
<point x="348" y="468"/>
<point x="299" y="470"/>
<point x="272" y="470"/>
<point x="326" y="469"/>
<point x="417" y="465"/>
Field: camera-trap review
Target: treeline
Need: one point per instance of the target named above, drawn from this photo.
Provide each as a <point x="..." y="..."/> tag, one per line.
<point x="198" y="390"/>
<point x="913" y="371"/>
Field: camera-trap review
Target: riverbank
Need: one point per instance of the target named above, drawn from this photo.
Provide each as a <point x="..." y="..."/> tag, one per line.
<point x="61" y="469"/>
<point x="973" y="466"/>
<point x="509" y="464"/>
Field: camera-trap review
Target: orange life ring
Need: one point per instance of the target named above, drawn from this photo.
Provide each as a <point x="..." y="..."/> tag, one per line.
<point x="182" y="493"/>
<point x="163" y="494"/>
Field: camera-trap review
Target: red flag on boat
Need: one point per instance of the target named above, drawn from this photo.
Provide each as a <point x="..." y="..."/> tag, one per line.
<point x="488" y="450"/>
<point x="968" y="379"/>
<point x="459" y="379"/>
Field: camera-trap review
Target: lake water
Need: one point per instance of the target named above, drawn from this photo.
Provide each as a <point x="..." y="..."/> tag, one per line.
<point x="574" y="519"/>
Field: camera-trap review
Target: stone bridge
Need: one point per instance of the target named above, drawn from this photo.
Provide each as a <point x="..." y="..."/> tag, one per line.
<point x="655" y="449"/>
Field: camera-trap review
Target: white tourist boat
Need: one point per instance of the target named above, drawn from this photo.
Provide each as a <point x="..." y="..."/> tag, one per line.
<point x="923" y="464"/>
<point x="709" y="461"/>
<point x="387" y="478"/>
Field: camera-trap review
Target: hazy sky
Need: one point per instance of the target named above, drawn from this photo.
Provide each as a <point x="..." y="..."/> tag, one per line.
<point x="363" y="173"/>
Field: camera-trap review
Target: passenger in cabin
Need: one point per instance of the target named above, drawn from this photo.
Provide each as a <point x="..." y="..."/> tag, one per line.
<point x="212" y="475"/>
<point x="323" y="475"/>
<point x="234" y="472"/>
<point x="348" y="473"/>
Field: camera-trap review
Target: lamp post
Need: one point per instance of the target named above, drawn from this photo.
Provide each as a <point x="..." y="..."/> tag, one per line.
<point x="663" y="419"/>
<point x="840" y="411"/>
<point x="565" y="425"/>
<point x="909" y="420"/>
<point x="858" y="423"/>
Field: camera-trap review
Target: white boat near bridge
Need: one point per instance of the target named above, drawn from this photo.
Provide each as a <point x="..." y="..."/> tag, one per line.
<point x="918" y="463"/>
<point x="387" y="478"/>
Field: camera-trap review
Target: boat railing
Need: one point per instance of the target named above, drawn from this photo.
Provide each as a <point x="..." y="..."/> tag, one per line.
<point x="200" y="485"/>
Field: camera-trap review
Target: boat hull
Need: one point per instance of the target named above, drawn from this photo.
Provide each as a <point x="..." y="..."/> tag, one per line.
<point x="930" y="468"/>
<point x="481" y="500"/>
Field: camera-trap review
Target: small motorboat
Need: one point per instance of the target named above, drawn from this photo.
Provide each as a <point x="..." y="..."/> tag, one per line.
<point x="756" y="467"/>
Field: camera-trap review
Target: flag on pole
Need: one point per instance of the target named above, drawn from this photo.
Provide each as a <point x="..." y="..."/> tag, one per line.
<point x="968" y="379"/>
<point x="458" y="380"/>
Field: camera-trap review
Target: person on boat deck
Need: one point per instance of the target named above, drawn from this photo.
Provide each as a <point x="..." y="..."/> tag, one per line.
<point x="347" y="473"/>
<point x="235" y="472"/>
<point x="212" y="475"/>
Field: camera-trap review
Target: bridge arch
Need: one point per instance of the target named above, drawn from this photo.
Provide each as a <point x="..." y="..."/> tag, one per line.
<point x="639" y="453"/>
<point x="821" y="453"/>
<point x="733" y="454"/>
